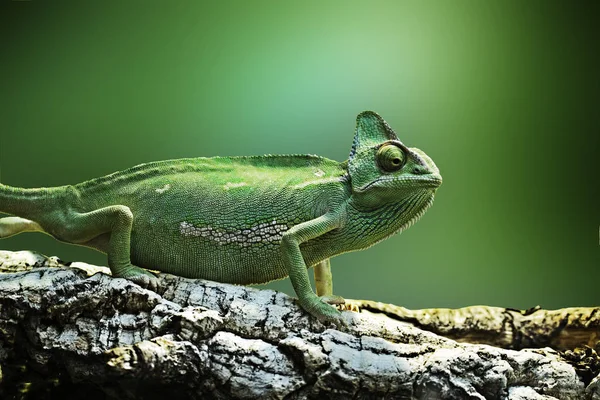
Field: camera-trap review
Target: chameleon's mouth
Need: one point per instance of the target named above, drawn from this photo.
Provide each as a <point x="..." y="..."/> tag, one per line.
<point x="428" y="181"/>
<point x="431" y="181"/>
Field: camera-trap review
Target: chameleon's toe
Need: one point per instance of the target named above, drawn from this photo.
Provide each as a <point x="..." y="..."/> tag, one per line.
<point x="145" y="281"/>
<point x="349" y="306"/>
<point x="142" y="277"/>
<point x="333" y="300"/>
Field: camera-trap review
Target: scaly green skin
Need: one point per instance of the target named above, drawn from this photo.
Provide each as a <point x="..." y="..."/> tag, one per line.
<point x="239" y="219"/>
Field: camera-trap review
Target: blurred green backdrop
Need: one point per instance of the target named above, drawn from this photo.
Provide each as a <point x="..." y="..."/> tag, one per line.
<point x="504" y="96"/>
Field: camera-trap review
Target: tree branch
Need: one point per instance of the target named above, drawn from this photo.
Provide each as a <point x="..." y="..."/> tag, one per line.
<point x="64" y="332"/>
<point x="508" y="328"/>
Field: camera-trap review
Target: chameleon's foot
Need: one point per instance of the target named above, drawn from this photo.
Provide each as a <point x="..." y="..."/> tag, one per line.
<point x="326" y="313"/>
<point x="140" y="276"/>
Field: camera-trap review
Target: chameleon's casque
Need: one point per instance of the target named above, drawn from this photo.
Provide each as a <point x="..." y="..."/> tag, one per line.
<point x="239" y="219"/>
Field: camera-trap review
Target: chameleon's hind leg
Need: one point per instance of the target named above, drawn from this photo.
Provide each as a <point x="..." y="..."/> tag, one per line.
<point x="324" y="283"/>
<point x="84" y="228"/>
<point x="324" y="286"/>
<point x="10" y="226"/>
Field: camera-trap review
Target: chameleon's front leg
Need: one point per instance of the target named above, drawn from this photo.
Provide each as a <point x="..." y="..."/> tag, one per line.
<point x="292" y="256"/>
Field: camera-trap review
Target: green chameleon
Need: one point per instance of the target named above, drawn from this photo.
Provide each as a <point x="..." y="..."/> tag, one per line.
<point x="240" y="220"/>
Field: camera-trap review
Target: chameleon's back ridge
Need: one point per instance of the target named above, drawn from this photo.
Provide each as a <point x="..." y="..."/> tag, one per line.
<point x="239" y="219"/>
<point x="199" y="165"/>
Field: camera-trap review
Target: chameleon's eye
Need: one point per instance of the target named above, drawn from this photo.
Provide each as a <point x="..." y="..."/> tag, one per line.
<point x="390" y="158"/>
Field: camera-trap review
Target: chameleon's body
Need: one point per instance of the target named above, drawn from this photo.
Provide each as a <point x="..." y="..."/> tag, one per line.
<point x="238" y="219"/>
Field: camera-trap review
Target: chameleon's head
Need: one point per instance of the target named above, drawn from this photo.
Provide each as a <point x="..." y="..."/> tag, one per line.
<point x="383" y="170"/>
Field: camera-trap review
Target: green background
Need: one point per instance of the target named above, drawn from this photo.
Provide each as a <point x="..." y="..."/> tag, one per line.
<point x="504" y="96"/>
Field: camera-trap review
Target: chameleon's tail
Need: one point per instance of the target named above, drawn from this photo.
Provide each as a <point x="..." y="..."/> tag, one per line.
<point x="27" y="203"/>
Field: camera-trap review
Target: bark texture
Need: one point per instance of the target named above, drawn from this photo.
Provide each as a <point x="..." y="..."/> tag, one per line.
<point x="71" y="332"/>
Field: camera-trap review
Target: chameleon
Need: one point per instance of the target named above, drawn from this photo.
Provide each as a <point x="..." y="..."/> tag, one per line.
<point x="241" y="220"/>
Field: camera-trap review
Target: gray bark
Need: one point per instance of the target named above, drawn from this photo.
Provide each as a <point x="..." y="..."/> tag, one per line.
<point x="68" y="330"/>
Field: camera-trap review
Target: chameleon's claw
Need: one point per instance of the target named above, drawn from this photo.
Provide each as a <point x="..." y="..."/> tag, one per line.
<point x="349" y="306"/>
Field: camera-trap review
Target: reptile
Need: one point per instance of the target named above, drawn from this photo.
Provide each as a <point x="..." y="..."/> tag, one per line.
<point x="241" y="220"/>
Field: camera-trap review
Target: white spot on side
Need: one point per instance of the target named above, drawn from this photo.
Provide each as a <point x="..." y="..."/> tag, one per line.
<point x="319" y="173"/>
<point x="163" y="189"/>
<point x="231" y="185"/>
